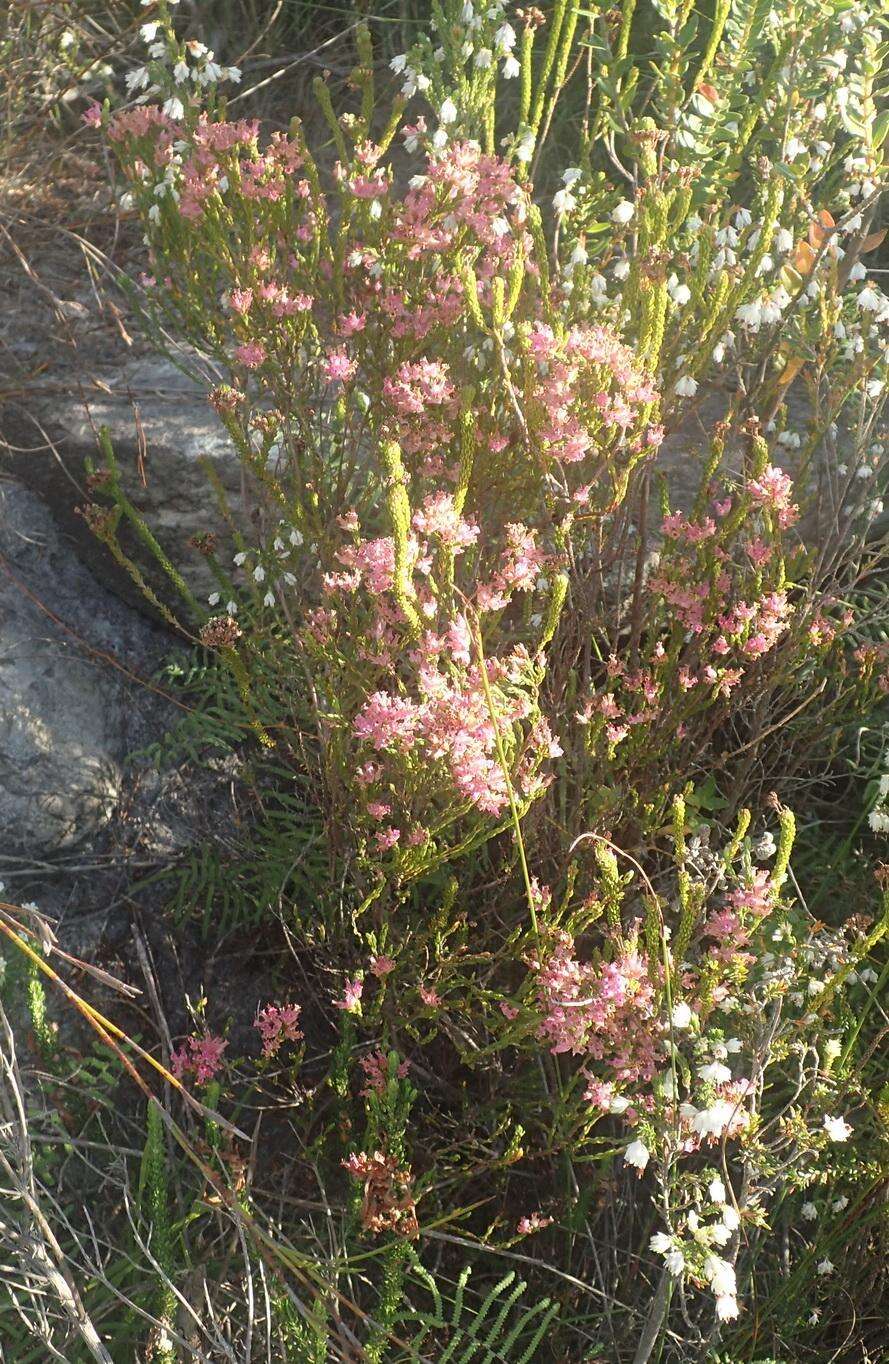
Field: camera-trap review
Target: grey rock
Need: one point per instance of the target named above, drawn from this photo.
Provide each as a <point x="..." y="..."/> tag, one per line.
<point x="68" y="715"/>
<point x="70" y="366"/>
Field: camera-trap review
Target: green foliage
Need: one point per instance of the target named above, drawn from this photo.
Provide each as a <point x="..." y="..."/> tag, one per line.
<point x="154" y="1199"/>
<point x="500" y="1329"/>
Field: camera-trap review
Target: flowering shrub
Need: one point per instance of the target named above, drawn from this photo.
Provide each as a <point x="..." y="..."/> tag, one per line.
<point x="522" y="597"/>
<point x="690" y="1039"/>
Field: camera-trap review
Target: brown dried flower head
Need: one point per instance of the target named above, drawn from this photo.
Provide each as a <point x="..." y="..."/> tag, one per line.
<point x="220" y="632"/>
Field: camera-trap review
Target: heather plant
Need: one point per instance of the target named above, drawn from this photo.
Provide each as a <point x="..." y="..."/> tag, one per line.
<point x="562" y="481"/>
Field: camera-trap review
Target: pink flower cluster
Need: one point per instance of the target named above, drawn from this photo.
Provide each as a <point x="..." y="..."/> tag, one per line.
<point x="376" y="1071"/>
<point x="200" y="1057"/>
<point x="744" y="907"/>
<point x="588" y="382"/>
<point x="773" y="490"/>
<point x="277" y="1024"/>
<point x="450" y="722"/>
<point x="605" y="1011"/>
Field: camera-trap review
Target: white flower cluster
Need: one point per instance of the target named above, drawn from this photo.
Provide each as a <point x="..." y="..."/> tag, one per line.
<point x="285" y="541"/>
<point x="693" y="1250"/>
<point x="475" y="37"/>
<point x="172" y="67"/>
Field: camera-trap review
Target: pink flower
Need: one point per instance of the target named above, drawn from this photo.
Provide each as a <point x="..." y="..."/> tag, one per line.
<point x="241" y="300"/>
<point x="605" y="1011"/>
<point x="347" y="324"/>
<point x="351" y="1000"/>
<point x="337" y="366"/>
<point x="439" y="517"/>
<point x="430" y="996"/>
<point x="92" y="115"/>
<point x="252" y="354"/>
<point x="535" y="1222"/>
<point x="276" y="1024"/>
<point x="387" y="721"/>
<point x="381" y="966"/>
<point x="200" y="1057"/>
<point x="755" y="897"/>
<point x="773" y="489"/>
<point x="387" y="838"/>
<point x="376" y="1068"/>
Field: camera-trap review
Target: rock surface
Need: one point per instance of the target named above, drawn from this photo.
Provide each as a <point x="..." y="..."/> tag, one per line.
<point x="70" y="366"/>
<point x="68" y="716"/>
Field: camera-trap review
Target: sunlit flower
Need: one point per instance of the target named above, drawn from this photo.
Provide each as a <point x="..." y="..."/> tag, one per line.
<point x="637" y="1154"/>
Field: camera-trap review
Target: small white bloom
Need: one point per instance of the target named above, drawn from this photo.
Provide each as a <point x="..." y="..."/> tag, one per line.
<point x="397" y="64"/>
<point x="809" y="1212"/>
<point x="174" y="108"/>
<point x="837" y="1129"/>
<point x="869" y="299"/>
<point x="783" y="240"/>
<point x="180" y="72"/>
<point x="750" y="315"/>
<point x="138" y="79"/>
<point x="448" y="112"/>
<point x="148" y="31"/>
<point x="511" y="68"/>
<point x="638" y="1154"/>
<point x="660" y="1243"/>
<point x="681" y="295"/>
<point x="269" y="598"/>
<point x="765" y="847"/>
<point x="721" y="1276"/>
<point x="623" y="212"/>
<point x="619" y="1104"/>
<point x="825" y="1267"/>
<point x="681" y="1015"/>
<point x="239" y="558"/>
<point x="505" y="38"/>
<point x="564" y="201"/>
<point x="712" y="1121"/>
<point x="524" y="148"/>
<point x="675" y="1262"/>
<point x="840" y="1204"/>
<point x="213" y="599"/>
<point x="259" y="573"/>
<point x="730" y="1218"/>
<point x="686" y="387"/>
<point x="716" y="1190"/>
<point x="621" y="269"/>
<point x="726" y="1307"/>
